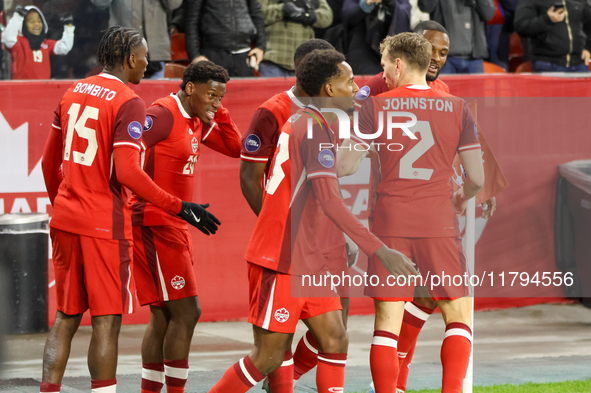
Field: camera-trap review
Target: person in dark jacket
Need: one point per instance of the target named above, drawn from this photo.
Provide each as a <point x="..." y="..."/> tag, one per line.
<point x="560" y="36"/>
<point x="223" y="31"/>
<point x="367" y="23"/>
<point x="465" y="21"/>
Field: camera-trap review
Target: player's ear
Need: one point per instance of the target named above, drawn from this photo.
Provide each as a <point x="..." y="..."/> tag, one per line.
<point x="131" y="61"/>
<point x="328" y="89"/>
<point x="189" y="88"/>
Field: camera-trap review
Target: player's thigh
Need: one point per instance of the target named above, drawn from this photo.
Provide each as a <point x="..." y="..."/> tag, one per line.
<point x="442" y="263"/>
<point x="383" y="286"/>
<point x="108" y="275"/>
<point x="457" y="310"/>
<point x="388" y="315"/>
<point x="163" y="264"/>
<point x="68" y="265"/>
<point x="272" y="306"/>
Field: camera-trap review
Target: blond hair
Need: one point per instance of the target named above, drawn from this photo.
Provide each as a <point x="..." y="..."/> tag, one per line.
<point x="413" y="48"/>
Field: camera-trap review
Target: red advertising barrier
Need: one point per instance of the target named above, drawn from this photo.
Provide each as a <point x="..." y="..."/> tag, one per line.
<point x="528" y="146"/>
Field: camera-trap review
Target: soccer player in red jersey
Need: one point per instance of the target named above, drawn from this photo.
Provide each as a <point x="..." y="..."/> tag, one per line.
<point x="416" y="208"/>
<point x="291" y="212"/>
<point x="90" y="161"/>
<point x="258" y="146"/>
<point x="176" y="127"/>
<point x="418" y="311"/>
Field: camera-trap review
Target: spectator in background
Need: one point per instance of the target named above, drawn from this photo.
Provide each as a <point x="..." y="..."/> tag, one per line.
<point x="367" y="23"/>
<point x="465" y="22"/>
<point x="231" y="33"/>
<point x="149" y="17"/>
<point x="560" y="38"/>
<point x="288" y="24"/>
<point x="24" y="38"/>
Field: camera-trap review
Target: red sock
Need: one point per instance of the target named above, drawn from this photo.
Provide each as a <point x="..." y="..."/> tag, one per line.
<point x="238" y="378"/>
<point x="330" y="376"/>
<point x="415" y="317"/>
<point x="152" y="377"/>
<point x="47" y="387"/>
<point x="103" y="385"/>
<point x="176" y="372"/>
<point x="383" y="361"/>
<point x="281" y="380"/>
<point x="455" y="356"/>
<point x="305" y="357"/>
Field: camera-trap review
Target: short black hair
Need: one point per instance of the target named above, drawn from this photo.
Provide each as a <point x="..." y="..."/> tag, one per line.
<point x="116" y="45"/>
<point x="429" y="25"/>
<point x="306" y="47"/>
<point x="204" y="71"/>
<point x="317" y="68"/>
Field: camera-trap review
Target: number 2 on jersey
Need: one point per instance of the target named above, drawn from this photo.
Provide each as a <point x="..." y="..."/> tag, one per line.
<point x="79" y="125"/>
<point x="406" y="169"/>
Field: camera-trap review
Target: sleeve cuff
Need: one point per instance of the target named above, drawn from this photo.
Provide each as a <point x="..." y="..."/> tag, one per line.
<point x="469" y="147"/>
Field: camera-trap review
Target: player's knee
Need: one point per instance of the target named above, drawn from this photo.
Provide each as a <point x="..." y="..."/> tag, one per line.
<point x="267" y="362"/>
<point x="338" y="342"/>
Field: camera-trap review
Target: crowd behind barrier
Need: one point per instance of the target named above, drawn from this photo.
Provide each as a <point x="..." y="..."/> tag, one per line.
<point x="543" y="124"/>
<point x="483" y="33"/>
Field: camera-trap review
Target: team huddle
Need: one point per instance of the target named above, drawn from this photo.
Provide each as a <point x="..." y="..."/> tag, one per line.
<point x="120" y="178"/>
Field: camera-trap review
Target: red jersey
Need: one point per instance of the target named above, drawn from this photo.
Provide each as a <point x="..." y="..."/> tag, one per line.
<point x="30" y="64"/>
<point x="287" y="226"/>
<point x="414" y="193"/>
<point x="260" y="141"/>
<point x="377" y="85"/>
<point x="94" y="116"/>
<point x="174" y="140"/>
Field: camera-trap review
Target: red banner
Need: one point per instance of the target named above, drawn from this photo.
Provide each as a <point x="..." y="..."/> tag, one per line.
<point x="527" y="145"/>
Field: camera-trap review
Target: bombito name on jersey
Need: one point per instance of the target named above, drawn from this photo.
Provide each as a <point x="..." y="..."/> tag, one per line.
<point x="409" y="103"/>
<point x="95" y="91"/>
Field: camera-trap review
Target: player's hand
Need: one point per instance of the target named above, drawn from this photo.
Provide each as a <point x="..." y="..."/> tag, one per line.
<point x="199" y="217"/>
<point x="67" y="18"/>
<point x="396" y="262"/>
<point x="352" y="251"/>
<point x="556" y="15"/>
<point x="586" y="56"/>
<point x="21" y="10"/>
<point x="460" y="202"/>
<point x="199" y="58"/>
<point x="489" y="207"/>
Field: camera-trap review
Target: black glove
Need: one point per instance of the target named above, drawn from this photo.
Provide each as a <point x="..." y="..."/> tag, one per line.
<point x="200" y="218"/>
<point x="67" y="19"/>
<point x="22" y="11"/>
<point x="292" y="12"/>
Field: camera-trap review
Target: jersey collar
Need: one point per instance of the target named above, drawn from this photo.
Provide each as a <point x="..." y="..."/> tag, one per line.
<point x="418" y="87"/>
<point x="109" y="76"/>
<point x="294" y="99"/>
<point x="180" y="105"/>
<point x="313" y="111"/>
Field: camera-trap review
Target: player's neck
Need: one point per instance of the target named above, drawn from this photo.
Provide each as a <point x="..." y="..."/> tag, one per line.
<point x="119" y="73"/>
<point x="413" y="79"/>
<point x="299" y="93"/>
<point x="184" y="99"/>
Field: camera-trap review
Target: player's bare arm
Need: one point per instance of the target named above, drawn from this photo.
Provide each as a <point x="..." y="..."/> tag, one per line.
<point x="472" y="161"/>
<point x="348" y="158"/>
<point x="251" y="175"/>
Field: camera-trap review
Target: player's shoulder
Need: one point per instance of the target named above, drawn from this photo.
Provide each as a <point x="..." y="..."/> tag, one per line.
<point x="440" y="85"/>
<point x="277" y="103"/>
<point x="374" y="86"/>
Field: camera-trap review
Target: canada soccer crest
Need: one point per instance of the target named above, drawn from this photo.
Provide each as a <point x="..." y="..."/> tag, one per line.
<point x="194" y="144"/>
<point x="281" y="315"/>
<point x="178" y="282"/>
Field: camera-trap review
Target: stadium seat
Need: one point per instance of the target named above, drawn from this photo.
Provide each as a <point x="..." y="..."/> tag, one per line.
<point x="174" y="71"/>
<point x="490" y="68"/>
<point x="178" y="53"/>
<point x="524" y="67"/>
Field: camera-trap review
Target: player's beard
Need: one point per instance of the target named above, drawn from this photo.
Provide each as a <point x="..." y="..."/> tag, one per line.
<point x="433" y="79"/>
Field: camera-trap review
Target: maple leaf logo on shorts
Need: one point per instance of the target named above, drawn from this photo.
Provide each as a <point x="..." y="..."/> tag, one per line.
<point x="281" y="315"/>
<point x="178" y="282"/>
